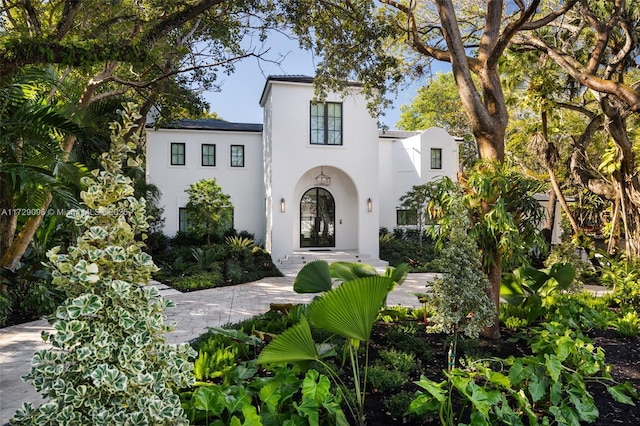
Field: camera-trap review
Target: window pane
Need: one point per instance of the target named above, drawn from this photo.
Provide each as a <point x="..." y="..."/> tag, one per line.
<point x="407" y="217"/>
<point x="208" y="155"/>
<point x="237" y="155"/>
<point x="326" y="124"/>
<point x="183" y="220"/>
<point x="317" y="123"/>
<point x="436" y="158"/>
<point x="177" y="154"/>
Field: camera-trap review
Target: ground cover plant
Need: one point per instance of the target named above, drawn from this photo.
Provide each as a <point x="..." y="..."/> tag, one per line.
<point x="188" y="263"/>
<point x="569" y="366"/>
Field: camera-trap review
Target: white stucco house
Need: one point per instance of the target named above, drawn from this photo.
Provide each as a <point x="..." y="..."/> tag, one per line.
<point x="311" y="176"/>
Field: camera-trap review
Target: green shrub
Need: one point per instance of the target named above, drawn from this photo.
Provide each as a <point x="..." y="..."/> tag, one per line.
<point x="5" y="309"/>
<point x="199" y="281"/>
<point x="623" y="277"/>
<point x="213" y="362"/>
<point x="399" y="403"/>
<point x="384" y="380"/>
<point x="109" y="363"/>
<point x="627" y="325"/>
<point x="397" y="360"/>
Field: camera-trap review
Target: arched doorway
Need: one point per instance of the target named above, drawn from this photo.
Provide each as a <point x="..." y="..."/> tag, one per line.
<point x="317" y="219"/>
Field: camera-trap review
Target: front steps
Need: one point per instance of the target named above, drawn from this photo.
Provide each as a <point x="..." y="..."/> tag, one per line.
<point x="291" y="264"/>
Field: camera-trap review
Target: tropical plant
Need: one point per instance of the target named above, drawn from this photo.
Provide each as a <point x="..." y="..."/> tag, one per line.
<point x="527" y="286"/>
<point x="349" y="310"/>
<point x="317" y="276"/>
<point x="109" y="363"/>
<point x="627" y="325"/>
<point x="547" y="387"/>
<point x="237" y="241"/>
<point x="5" y="309"/>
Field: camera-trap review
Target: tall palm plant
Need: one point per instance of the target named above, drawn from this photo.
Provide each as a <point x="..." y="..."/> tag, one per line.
<point x="33" y="167"/>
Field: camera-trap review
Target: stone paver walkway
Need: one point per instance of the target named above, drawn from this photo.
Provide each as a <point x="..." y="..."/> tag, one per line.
<point x="194" y="312"/>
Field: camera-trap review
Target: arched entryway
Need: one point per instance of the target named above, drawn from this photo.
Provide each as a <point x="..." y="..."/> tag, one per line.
<point x="317" y="218"/>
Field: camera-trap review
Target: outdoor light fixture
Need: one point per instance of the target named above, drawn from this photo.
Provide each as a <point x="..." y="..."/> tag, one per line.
<point x="283" y="206"/>
<point x="369" y="205"/>
<point x="322" y="179"/>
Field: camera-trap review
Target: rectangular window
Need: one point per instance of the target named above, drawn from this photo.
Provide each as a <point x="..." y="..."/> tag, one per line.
<point x="177" y="154"/>
<point x="326" y="123"/>
<point x="208" y="154"/>
<point x="237" y="155"/>
<point x="436" y="158"/>
<point x="407" y="217"/>
<point x="183" y="220"/>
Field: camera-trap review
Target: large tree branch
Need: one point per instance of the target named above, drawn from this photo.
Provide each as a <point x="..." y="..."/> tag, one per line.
<point x="539" y="23"/>
<point x="71" y="8"/>
<point x="576" y="70"/>
<point x="509" y="32"/>
<point x="415" y="34"/>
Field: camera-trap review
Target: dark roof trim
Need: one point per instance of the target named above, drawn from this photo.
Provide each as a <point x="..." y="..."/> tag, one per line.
<point x="214" y="124"/>
<point x="294" y="79"/>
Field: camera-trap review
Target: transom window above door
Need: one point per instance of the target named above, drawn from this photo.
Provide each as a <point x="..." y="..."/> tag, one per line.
<point x="326" y="123"/>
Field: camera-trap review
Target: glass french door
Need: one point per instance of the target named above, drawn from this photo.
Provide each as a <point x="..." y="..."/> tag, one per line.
<point x="317" y="219"/>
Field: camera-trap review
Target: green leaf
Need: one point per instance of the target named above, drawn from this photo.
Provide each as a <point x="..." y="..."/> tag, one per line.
<point x="537" y="388"/>
<point x="554" y="366"/>
<point x="209" y="399"/>
<point x="349" y="271"/>
<point x="314" y="277"/>
<point x="351" y="309"/>
<point x="309" y="409"/>
<point x="270" y="394"/>
<point x="293" y="345"/>
<point x="315" y="387"/>
<point x="624" y="393"/>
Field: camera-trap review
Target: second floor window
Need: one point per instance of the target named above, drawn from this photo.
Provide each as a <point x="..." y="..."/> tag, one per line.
<point x="177" y="154"/>
<point x="326" y="123"/>
<point x="436" y="158"/>
<point x="237" y="155"/>
<point x="208" y="155"/>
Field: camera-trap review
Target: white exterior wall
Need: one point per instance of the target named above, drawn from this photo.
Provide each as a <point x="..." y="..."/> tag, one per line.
<point x="405" y="163"/>
<point x="243" y="184"/>
<point x="295" y="162"/>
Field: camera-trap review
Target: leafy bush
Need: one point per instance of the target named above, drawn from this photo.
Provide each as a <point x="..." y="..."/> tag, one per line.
<point x="399" y="403"/>
<point x="627" y="325"/>
<point x="397" y="360"/>
<point x="553" y="380"/>
<point x="403" y="247"/>
<point x="213" y="362"/>
<point x="384" y="379"/>
<point x="623" y="277"/>
<point x="237" y="241"/>
<point x="5" y="309"/>
<point x="109" y="363"/>
<point x="199" y="281"/>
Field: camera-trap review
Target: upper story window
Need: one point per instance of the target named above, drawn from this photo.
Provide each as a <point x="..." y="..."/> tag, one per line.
<point x="436" y="158"/>
<point x="326" y="123"/>
<point x="237" y="155"/>
<point x="177" y="154"/>
<point x="208" y="155"/>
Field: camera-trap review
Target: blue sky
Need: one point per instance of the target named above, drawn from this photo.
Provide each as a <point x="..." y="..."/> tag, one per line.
<point x="238" y="99"/>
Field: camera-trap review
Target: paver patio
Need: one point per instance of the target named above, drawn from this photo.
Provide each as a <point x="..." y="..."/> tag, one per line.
<point x="194" y="312"/>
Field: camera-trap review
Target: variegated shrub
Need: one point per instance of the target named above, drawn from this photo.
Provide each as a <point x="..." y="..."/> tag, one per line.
<point x="109" y="363"/>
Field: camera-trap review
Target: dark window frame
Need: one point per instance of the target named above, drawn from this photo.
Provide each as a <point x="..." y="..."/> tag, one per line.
<point x="436" y="161"/>
<point x="325" y="116"/>
<point x="183" y="220"/>
<point x="231" y="149"/>
<point x="175" y="156"/>
<point x="404" y="213"/>
<point x="207" y="155"/>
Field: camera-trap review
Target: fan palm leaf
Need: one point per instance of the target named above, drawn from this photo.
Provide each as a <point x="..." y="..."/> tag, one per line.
<point x="293" y="345"/>
<point x="349" y="271"/>
<point x="314" y="277"/>
<point x="351" y="309"/>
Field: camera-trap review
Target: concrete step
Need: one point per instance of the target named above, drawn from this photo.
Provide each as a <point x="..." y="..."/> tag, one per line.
<point x="291" y="264"/>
